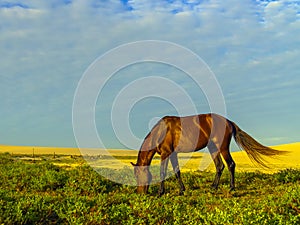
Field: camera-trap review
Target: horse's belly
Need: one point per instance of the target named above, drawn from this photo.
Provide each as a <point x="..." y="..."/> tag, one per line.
<point x="190" y="146"/>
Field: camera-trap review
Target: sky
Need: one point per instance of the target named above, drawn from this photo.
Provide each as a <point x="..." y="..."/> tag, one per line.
<point x="252" y="48"/>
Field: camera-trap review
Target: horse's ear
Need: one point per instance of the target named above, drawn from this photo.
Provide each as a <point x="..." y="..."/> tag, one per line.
<point x="133" y="164"/>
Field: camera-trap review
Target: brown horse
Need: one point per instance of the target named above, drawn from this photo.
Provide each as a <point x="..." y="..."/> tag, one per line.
<point x="191" y="133"/>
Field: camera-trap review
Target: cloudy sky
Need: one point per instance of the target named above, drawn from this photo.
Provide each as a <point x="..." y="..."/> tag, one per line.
<point x="252" y="47"/>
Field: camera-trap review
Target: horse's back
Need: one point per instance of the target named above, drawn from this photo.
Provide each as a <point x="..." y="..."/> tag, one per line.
<point x="189" y="133"/>
<point x="192" y="133"/>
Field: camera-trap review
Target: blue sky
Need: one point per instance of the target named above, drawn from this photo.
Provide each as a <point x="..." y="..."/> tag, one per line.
<point x="253" y="48"/>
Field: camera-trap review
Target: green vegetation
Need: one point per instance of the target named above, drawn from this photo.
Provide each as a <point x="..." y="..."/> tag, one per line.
<point x="39" y="192"/>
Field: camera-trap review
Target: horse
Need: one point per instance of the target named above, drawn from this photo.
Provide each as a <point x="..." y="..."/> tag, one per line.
<point x="172" y="135"/>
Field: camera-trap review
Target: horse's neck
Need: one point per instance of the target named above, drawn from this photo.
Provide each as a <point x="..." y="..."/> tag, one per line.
<point x="145" y="157"/>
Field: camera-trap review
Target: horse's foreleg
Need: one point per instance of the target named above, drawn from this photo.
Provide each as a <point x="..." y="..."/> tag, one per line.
<point x="163" y="174"/>
<point x="175" y="165"/>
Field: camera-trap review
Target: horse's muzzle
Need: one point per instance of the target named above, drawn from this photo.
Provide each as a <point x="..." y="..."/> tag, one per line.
<point x="142" y="189"/>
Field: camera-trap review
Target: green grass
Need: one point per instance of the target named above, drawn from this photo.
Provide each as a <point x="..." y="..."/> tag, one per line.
<point x="41" y="193"/>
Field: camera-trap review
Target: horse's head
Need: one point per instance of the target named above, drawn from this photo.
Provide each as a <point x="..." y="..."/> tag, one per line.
<point x="143" y="178"/>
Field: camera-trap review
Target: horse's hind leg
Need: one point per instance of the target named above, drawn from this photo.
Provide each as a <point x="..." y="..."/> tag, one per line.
<point x="175" y="165"/>
<point x="215" y="154"/>
<point x="231" y="166"/>
<point x="219" y="169"/>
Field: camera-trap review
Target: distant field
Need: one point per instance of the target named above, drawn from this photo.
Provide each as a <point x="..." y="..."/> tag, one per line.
<point x="188" y="161"/>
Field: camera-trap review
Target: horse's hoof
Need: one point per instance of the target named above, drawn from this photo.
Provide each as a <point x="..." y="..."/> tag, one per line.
<point x="232" y="189"/>
<point x="214" y="188"/>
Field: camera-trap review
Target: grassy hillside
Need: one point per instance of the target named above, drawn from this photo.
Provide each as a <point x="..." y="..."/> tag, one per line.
<point x="40" y="192"/>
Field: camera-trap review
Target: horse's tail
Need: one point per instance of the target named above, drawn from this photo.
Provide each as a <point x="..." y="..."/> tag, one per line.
<point x="254" y="149"/>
